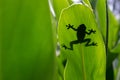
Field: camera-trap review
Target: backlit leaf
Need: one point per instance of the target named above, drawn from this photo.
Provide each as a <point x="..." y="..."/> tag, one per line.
<point x="83" y="62"/>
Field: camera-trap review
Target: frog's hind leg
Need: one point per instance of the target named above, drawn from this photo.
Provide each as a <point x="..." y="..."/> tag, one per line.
<point x="88" y="40"/>
<point x="73" y="42"/>
<point x="64" y="46"/>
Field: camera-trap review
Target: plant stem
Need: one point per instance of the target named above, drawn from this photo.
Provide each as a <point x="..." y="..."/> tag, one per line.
<point x="110" y="73"/>
<point x="107" y="27"/>
<point x="106" y="43"/>
<point x="109" y="70"/>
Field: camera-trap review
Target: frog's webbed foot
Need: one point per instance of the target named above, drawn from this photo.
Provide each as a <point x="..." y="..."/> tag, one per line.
<point x="69" y="26"/>
<point x="94" y="44"/>
<point x="64" y="46"/>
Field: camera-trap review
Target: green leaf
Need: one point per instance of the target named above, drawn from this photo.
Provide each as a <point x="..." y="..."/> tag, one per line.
<point x="93" y="3"/>
<point x="61" y="61"/>
<point x="58" y="6"/>
<point x="27" y="50"/>
<point x="87" y="2"/>
<point x="101" y="16"/>
<point x="113" y="24"/>
<point x="83" y="63"/>
<point x="116" y="49"/>
<point x="83" y="1"/>
<point x="113" y="31"/>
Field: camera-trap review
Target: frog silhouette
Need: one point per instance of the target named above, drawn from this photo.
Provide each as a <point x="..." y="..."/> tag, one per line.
<point x="81" y="32"/>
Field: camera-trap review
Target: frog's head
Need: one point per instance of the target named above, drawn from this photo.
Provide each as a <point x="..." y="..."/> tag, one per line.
<point x="82" y="27"/>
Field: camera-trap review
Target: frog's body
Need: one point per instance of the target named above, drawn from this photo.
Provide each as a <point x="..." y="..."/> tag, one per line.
<point x="81" y="32"/>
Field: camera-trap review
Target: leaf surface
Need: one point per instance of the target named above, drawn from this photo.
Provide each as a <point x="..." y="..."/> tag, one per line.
<point x="113" y="23"/>
<point x="27" y="49"/>
<point x="83" y="63"/>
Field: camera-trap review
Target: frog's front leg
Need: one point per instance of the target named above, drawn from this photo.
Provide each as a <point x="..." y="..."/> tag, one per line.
<point x="71" y="26"/>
